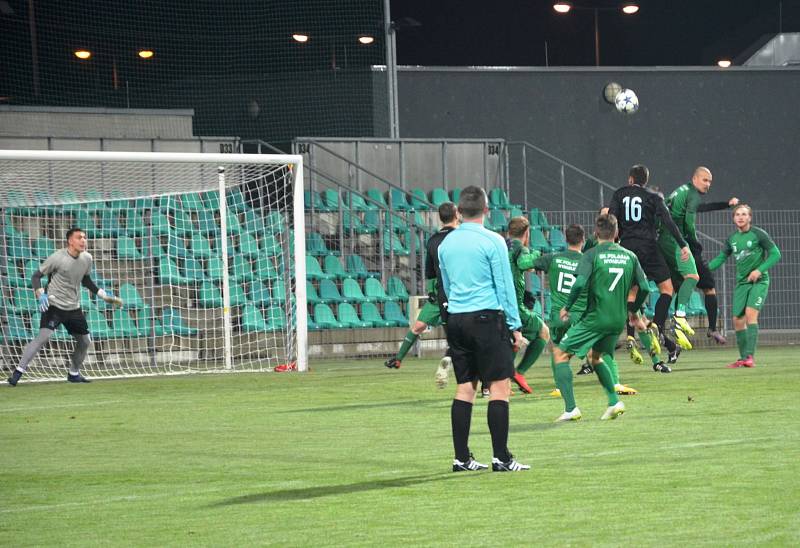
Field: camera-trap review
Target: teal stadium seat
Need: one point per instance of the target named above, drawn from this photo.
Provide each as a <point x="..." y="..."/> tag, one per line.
<point x="538" y="241"/>
<point x="193" y="270"/>
<point x="240" y="269"/>
<point x="18" y="328"/>
<point x="356" y="266"/>
<point x="393" y="313"/>
<point x="398" y="223"/>
<point x="352" y="293"/>
<point x="192" y="201"/>
<point x="209" y="295"/>
<point x="393" y="244"/>
<point x="130" y="296"/>
<point x="98" y="325"/>
<point x="396" y="289"/>
<point x="348" y="317"/>
<point x="439" y="196"/>
<point x="266" y="269"/>
<point x="174" y="324"/>
<point x="253" y="320"/>
<point x="276" y="318"/>
<point x="200" y="246"/>
<point x="376" y="195"/>
<point x="313" y="201"/>
<point x="86" y="220"/>
<point x="356" y="202"/>
<point x="312" y="297"/>
<point x="330" y="199"/>
<point x="334" y="268"/>
<point x="370" y="313"/>
<point x="314" y="271"/>
<point x="455" y="194"/>
<point x="324" y="317"/>
<point x="558" y="242"/>
<point x="329" y="293"/>
<point x="373" y="290"/>
<point x="399" y="200"/>
<point x="127" y="249"/>
<point x="235" y="200"/>
<point x="123" y="325"/>
<point x="496" y="221"/>
<point x="419" y="200"/>
<point x="351" y="222"/>
<point x="259" y="294"/>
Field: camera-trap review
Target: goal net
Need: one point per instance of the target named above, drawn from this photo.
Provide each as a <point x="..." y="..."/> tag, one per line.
<point x="207" y="252"/>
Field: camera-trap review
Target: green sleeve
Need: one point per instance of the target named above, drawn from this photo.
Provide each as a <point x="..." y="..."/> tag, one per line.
<point x="543" y="262"/>
<point x="720" y="259"/>
<point x="644" y="287"/>
<point x="430" y="286"/>
<point x="692" y="202"/>
<point x="527" y="259"/>
<point x="583" y="273"/>
<point x="773" y="253"/>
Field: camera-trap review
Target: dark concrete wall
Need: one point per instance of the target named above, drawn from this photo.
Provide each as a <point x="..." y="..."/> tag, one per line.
<point x="742" y="123"/>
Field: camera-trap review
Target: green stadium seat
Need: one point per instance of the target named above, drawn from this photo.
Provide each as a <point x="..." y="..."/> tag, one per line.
<point x="98" y="325"/>
<point x="248" y="246"/>
<point x="253" y="320"/>
<point x="334" y="268"/>
<point x="170" y="273"/>
<point x="19" y="247"/>
<point x="85" y="219"/>
<point x="211" y="199"/>
<point x="538" y="219"/>
<point x="276" y="318"/>
<point x="89" y="301"/>
<point x="176" y="246"/>
<point x="356" y="202"/>
<point x="351" y="291"/>
<point x="240" y="269"/>
<point x="12" y="274"/>
<point x="235" y="200"/>
<point x="143" y="202"/>
<point x="314" y="271"/>
<point x="455" y="194"/>
<point x="329" y="293"/>
<point x="536" y="284"/>
<point x="324" y="318"/>
<point x="258" y="294"/>
<point x="134" y="223"/>
<point x="393" y="244"/>
<point x="558" y="242"/>
<point x="376" y="195"/>
<point x="233" y="225"/>
<point x="68" y="201"/>
<point x="393" y="313"/>
<point x="237" y="294"/>
<point x="24" y="301"/>
<point x="131" y="296"/>
<point x="330" y="199"/>
<point x="419" y="200"/>
<point x="355" y="265"/>
<point x="192" y="201"/>
<point x="420" y="222"/>
<point x="538" y="241"/>
<point x="254" y="223"/>
<point x="496" y="221"/>
<point x="30" y="268"/>
<point x="373" y="290"/>
<point x="279" y="292"/>
<point x="173" y="323"/>
<point x="398" y="223"/>
<point x="399" y="200"/>
<point x="275" y="223"/>
<point x="214" y="269"/>
<point x="123" y="326"/>
<point x="193" y="270"/>
<point x="17" y="328"/>
<point x="270" y="245"/>
<point x="348" y="317"/>
<point x="109" y="226"/>
<point x="312" y="297"/>
<point x="396" y="289"/>
<point x="372" y="221"/>
<point x="126" y="248"/>
<point x="45" y="204"/>
<point x="352" y="223"/>
<point x="370" y="313"/>
<point x="200" y="247"/>
<point x="439" y="196"/>
<point x="315" y="245"/>
<point x="265" y="269"/>
<point x="148" y="325"/>
<point x="516" y="212"/>
<point x="207" y="222"/>
<point x="159" y="223"/>
<point x="498" y="199"/>
<point x="44" y="247"/>
<point x="118" y="201"/>
<point x="313" y="201"/>
<point x="209" y="295"/>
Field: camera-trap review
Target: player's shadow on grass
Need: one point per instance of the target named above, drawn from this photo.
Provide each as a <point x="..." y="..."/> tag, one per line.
<point x="357" y="406"/>
<point x="307" y="493"/>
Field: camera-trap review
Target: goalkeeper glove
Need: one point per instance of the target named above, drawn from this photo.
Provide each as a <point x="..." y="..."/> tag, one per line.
<point x="110" y="298"/>
<point x="44" y="302"/>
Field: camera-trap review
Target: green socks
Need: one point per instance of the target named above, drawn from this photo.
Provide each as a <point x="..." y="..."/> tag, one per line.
<point x="684" y="294"/>
<point x="408" y="342"/>
<point x="531" y="354"/>
<point x="647" y="342"/>
<point x="613" y="366"/>
<point x="752" y="339"/>
<point x="741" y="342"/>
<point x="563" y="378"/>
<point x="603" y="372"/>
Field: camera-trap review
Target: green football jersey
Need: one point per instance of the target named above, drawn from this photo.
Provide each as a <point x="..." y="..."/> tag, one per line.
<point x="522" y="259"/>
<point x="561" y="271"/>
<point x="608" y="271"/>
<point x="751" y="250"/>
<point x="683" y="204"/>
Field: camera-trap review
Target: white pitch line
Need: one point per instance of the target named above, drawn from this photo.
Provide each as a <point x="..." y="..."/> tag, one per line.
<point x="57" y="406"/>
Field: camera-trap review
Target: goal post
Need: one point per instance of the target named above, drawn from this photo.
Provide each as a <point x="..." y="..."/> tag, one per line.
<point x="206" y="250"/>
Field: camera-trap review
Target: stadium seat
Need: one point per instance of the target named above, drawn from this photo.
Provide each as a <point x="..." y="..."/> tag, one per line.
<point x="314" y="271"/>
<point x="393" y="313"/>
<point x="538" y="219"/>
<point x="370" y="313"/>
<point x="19" y="247"/>
<point x="44" y="247"/>
<point x="214" y="269"/>
<point x="109" y="226"/>
<point x="254" y="223"/>
<point x="235" y="200"/>
<point x="496" y="221"/>
<point x="356" y="202"/>
<point x="536" y="284"/>
<point x="377" y="197"/>
<point x="275" y="223"/>
<point x="12" y="274"/>
<point x="176" y="246"/>
<point x="315" y="245"/>
<point x="134" y="223"/>
<point x="538" y="241"/>
<point x="253" y="320"/>
<point x="126" y="248"/>
<point x="324" y="318"/>
<point x="130" y="296"/>
<point x="240" y="269"/>
<point x="399" y="200"/>
<point x="98" y="325"/>
<point x="270" y="245"/>
<point x="439" y="196"/>
<point x="170" y="273"/>
<point x="123" y="326"/>
<point x="192" y="201"/>
<point x="200" y="246"/>
<point x="193" y="270"/>
<point x="312" y="297"/>
<point x="233" y="225"/>
<point x="207" y="222"/>
<point x="351" y="291"/>
<point x="211" y="200"/>
<point x="313" y="201"/>
<point x="419" y="222"/>
<point x="373" y="290"/>
<point x="419" y="200"/>
<point x="45" y="204"/>
<point x="334" y="268"/>
<point x="356" y="266"/>
<point x="89" y="301"/>
<point x="352" y="223"/>
<point x="86" y="220"/>
<point x="398" y="223"/>
<point x="558" y="242"/>
<point x="515" y="212"/>
<point x="276" y="318"/>
<point x="24" y="301"/>
<point x="328" y="292"/>
<point x="173" y="323"/>
<point x="248" y="246"/>
<point x="148" y="325"/>
<point x="159" y="223"/>
<point x="397" y="289"/>
<point x="392" y="244"/>
<point x="266" y="269"/>
<point x="455" y="194"/>
<point x="330" y="199"/>
<point x="278" y="292"/>
<point x="348" y="317"/>
<point x="372" y="221"/>
<point x="209" y="295"/>
<point x="498" y="199"/>
<point x="259" y="294"/>
<point x="17" y="328"/>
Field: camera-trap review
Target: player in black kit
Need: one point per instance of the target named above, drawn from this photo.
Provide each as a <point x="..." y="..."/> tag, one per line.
<point x="639" y="212"/>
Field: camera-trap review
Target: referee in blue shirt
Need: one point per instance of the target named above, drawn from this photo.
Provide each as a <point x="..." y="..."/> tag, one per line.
<point x="482" y="319"/>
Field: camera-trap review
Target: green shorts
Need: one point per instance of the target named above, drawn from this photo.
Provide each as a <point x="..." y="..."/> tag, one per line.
<point x="531" y="325"/>
<point x="747" y="295"/>
<point x="580" y="338"/>
<point x="430" y="315"/>
<point x="672" y="254"/>
<point x="558" y="328"/>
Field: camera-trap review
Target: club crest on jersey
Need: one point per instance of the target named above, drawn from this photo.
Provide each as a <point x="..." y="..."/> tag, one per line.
<point x="749" y="243"/>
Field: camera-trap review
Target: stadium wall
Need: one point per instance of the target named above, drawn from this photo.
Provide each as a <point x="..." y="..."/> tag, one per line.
<point x="742" y="123"/>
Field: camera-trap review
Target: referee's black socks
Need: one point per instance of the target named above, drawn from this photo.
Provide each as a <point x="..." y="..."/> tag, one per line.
<point x="460" y="420"/>
<point x="711" y="310"/>
<point x="497" y="417"/>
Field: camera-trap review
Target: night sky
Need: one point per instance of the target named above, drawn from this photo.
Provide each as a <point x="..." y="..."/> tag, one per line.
<point x="514" y="32"/>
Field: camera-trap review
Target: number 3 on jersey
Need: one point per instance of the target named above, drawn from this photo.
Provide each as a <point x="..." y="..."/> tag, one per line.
<point x="633" y="208"/>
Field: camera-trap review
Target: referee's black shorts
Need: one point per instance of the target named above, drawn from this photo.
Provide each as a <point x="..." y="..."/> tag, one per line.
<point x="480" y="346"/>
<point x="650" y="257"/>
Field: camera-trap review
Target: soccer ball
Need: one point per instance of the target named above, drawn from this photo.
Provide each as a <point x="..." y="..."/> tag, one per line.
<point x="626" y="101"/>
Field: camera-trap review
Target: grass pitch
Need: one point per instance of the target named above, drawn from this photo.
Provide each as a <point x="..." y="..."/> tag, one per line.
<point x="355" y="454"/>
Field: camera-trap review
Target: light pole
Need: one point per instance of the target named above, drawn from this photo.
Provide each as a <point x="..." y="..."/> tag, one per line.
<point x="563" y="8"/>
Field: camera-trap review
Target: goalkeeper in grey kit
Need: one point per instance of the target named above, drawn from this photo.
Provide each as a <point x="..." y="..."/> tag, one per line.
<point x="59" y="302"/>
